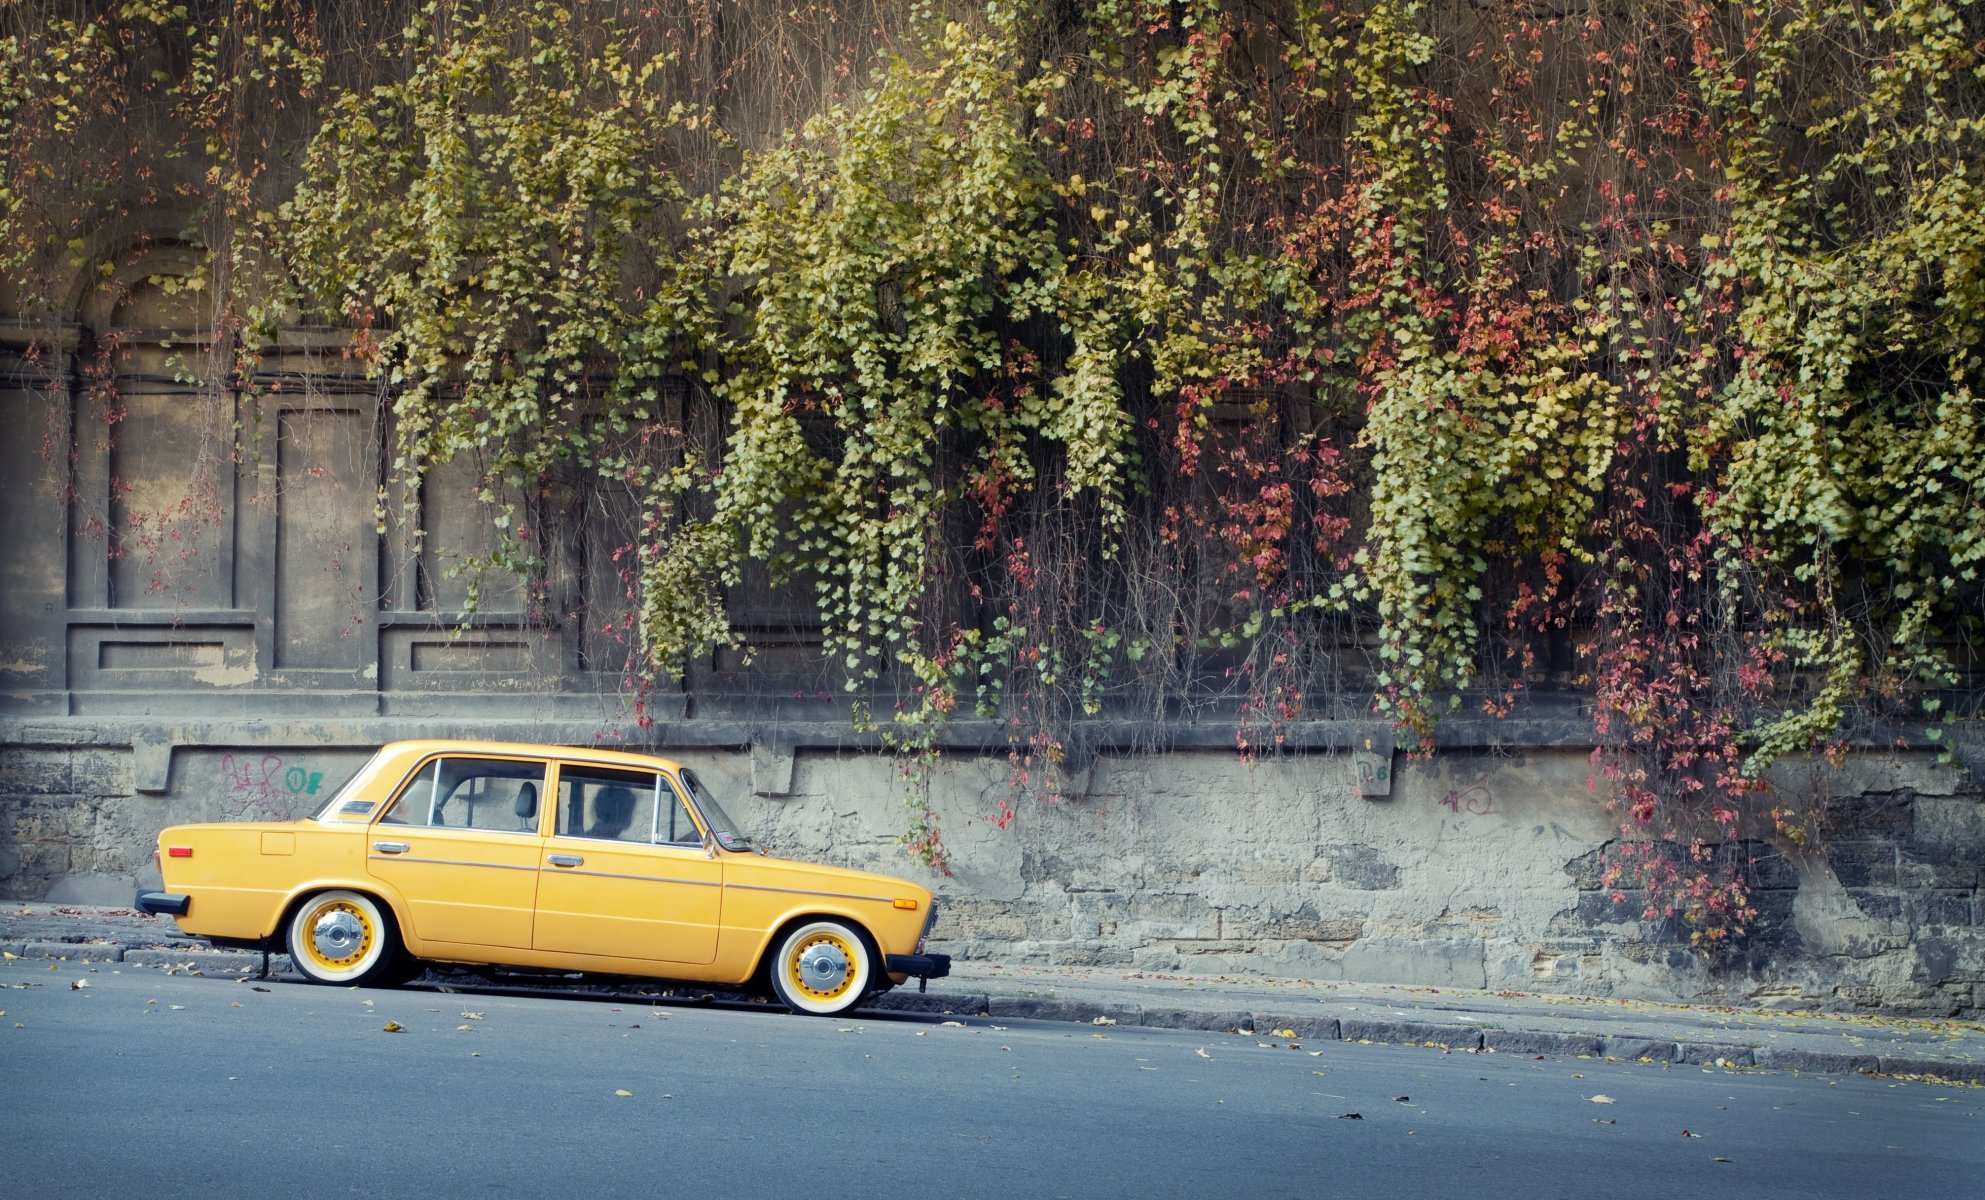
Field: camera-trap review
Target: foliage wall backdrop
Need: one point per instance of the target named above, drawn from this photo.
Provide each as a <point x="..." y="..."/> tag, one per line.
<point x="1266" y="360"/>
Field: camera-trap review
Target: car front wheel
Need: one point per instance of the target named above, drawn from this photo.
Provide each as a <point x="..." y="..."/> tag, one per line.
<point x="823" y="967"/>
<point x="342" y="937"/>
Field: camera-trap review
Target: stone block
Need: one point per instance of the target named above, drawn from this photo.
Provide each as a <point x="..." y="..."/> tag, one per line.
<point x="1536" y="1041"/>
<point x="1213" y="1020"/>
<point x="94" y="772"/>
<point x="206" y="962"/>
<point x="75" y="951"/>
<point x="1359" y="867"/>
<point x="904" y="999"/>
<point x="1949" y="909"/>
<point x="1076" y="954"/>
<point x="1818" y="1062"/>
<point x="1315" y="1029"/>
<point x="26" y="772"/>
<point x="1042" y="1008"/>
<point x="1628" y="1049"/>
<point x="1705" y="1053"/>
<point x="1408" y="1033"/>
<point x="1941" y="1068"/>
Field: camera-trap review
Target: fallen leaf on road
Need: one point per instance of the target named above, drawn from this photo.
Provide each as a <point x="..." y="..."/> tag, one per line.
<point x="1103" y="1021"/>
<point x="176" y="1007"/>
<point x="469" y="1016"/>
<point x="1404" y="1099"/>
<point x="622" y="1092"/>
<point x="1719" y="1160"/>
<point x="261" y="989"/>
<point x="234" y="1004"/>
<point x="1202" y="1053"/>
<point x="1283" y="1033"/>
<point x="1350" y="1116"/>
<point x="465" y="1028"/>
<point x="388" y="1027"/>
<point x="953" y="1024"/>
<point x="1686" y="1133"/>
<point x="77" y="985"/>
<point x="1601" y="1099"/>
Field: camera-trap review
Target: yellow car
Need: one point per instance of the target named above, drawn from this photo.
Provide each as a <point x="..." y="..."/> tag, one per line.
<point x="542" y="857"/>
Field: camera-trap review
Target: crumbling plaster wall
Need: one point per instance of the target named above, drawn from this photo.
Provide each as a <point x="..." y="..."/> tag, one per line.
<point x="1479" y="870"/>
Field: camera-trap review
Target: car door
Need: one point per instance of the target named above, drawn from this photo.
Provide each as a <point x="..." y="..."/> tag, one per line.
<point x="625" y="873"/>
<point x="460" y="843"/>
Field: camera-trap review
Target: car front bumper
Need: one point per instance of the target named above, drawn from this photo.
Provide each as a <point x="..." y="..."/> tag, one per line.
<point x="163" y="904"/>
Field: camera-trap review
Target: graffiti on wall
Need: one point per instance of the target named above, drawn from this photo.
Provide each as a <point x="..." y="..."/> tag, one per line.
<point x="268" y="786"/>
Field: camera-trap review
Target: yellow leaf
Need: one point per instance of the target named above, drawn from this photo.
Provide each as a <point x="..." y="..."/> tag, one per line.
<point x="622" y="1092"/>
<point x="465" y="1028"/>
<point x="391" y="1027"/>
<point x="1284" y="1033"/>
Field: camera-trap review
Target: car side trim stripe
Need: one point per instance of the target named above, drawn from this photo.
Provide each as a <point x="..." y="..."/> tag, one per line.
<point x="759" y="887"/>
<point x="640" y="878"/>
<point x="449" y="862"/>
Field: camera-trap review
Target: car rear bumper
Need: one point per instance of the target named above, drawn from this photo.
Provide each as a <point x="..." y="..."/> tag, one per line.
<point x="163" y="904"/>
<point x="919" y="966"/>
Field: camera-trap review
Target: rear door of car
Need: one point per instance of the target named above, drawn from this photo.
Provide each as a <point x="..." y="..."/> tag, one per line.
<point x="461" y="844"/>
<point x="625" y="873"/>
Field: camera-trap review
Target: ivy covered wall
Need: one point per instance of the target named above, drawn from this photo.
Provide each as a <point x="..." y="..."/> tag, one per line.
<point x="1086" y="372"/>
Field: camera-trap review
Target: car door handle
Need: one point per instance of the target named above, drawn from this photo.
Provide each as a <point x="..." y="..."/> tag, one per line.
<point x="390" y="847"/>
<point x="564" y="860"/>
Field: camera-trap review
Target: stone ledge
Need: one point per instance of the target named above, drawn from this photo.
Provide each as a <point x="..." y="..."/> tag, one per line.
<point x="1315" y="1028"/>
<point x="1531" y="1041"/>
<point x="1411" y="1033"/>
<point x="75" y="951"/>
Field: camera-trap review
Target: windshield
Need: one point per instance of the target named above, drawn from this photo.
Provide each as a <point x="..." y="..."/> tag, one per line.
<point x="721" y="826"/>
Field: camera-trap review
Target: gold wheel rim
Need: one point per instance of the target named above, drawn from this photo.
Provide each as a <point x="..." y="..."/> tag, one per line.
<point x="798" y="956"/>
<point x="341" y="913"/>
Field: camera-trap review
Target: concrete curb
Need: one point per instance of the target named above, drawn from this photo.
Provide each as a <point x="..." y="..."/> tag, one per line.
<point x="1212" y="1019"/>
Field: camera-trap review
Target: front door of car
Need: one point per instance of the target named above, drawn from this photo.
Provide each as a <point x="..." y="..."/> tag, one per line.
<point x="460" y="844"/>
<point x="625" y="873"/>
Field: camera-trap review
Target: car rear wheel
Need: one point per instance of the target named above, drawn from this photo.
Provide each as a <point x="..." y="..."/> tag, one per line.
<point x="343" y="937"/>
<point x="823" y="967"/>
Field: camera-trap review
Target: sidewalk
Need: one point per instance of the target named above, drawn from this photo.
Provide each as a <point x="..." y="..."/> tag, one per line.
<point x="1277" y="1009"/>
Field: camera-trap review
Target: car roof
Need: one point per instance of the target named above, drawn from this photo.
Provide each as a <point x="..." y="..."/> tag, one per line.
<point x="421" y="747"/>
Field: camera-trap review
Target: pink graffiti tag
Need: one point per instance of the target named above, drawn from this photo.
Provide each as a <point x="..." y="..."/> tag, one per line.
<point x="270" y="784"/>
<point x="1475" y="800"/>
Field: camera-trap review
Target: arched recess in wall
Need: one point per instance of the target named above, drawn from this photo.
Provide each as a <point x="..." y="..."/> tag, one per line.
<point x="157" y="605"/>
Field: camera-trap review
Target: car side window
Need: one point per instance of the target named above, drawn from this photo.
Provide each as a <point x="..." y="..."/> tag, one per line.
<point x="623" y="806"/>
<point x="495" y="795"/>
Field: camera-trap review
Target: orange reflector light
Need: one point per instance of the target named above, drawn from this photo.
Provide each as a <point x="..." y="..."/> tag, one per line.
<point x="180" y="851"/>
<point x="905" y="904"/>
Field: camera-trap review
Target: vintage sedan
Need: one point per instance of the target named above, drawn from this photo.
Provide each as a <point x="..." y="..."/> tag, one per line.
<point x="542" y="857"/>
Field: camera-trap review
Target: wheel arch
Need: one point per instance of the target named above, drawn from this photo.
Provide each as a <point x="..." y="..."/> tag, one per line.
<point x="761" y="974"/>
<point x="386" y="898"/>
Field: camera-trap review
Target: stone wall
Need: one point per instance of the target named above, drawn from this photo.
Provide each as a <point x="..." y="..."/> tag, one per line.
<point x="1480" y="870"/>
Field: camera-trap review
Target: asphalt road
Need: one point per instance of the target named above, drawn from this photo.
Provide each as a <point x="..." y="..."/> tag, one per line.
<point x="156" y="1085"/>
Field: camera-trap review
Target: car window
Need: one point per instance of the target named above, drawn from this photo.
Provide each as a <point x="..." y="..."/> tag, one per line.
<point x="493" y="794"/>
<point x="623" y="806"/>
